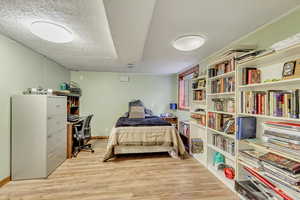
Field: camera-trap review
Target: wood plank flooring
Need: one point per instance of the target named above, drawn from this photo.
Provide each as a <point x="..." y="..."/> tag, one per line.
<point x="143" y="177"/>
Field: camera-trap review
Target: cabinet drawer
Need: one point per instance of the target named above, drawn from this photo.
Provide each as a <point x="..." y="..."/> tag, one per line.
<point x="56" y="123"/>
<point x="57" y="106"/>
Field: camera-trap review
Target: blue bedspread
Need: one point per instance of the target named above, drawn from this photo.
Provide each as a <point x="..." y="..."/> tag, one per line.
<point x="148" y="121"/>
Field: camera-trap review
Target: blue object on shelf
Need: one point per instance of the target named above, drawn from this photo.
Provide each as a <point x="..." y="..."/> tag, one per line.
<point x="173" y="106"/>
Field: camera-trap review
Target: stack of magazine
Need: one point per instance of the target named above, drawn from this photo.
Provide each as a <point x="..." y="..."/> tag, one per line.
<point x="282" y="136"/>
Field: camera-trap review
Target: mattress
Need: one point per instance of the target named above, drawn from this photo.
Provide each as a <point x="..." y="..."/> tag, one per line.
<point x="159" y="136"/>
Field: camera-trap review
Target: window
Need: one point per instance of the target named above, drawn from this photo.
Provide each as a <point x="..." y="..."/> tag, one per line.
<point x="184" y="88"/>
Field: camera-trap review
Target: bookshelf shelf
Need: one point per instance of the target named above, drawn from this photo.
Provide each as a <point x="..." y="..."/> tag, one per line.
<point x="200" y="113"/>
<point x="199" y="77"/>
<point x="220" y="175"/>
<point x="226" y="154"/>
<point x="221" y="94"/>
<point x="197" y="125"/>
<point x="232" y="73"/>
<point x="275" y="57"/>
<point x="199" y="88"/>
<point x="270" y="117"/>
<point x="259" y="145"/>
<point x="221" y="112"/>
<point x="232" y="136"/>
<point x="271" y="84"/>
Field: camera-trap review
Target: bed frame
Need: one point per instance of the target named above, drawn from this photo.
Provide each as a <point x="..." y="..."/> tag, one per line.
<point x="140" y="149"/>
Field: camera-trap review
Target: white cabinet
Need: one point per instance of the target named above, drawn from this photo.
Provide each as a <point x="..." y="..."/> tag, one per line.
<point x="39" y="135"/>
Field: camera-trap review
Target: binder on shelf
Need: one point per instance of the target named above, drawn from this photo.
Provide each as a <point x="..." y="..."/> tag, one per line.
<point x="246" y="128"/>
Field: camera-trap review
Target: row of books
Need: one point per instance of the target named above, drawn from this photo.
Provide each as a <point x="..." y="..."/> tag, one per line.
<point x="278" y="103"/>
<point x="221" y="68"/>
<point x="224" y="104"/>
<point x="251" y="75"/>
<point x="199" y="119"/>
<point x="199" y="95"/>
<point x="221" y="122"/>
<point x="224" y="143"/>
<point x="223" y="85"/>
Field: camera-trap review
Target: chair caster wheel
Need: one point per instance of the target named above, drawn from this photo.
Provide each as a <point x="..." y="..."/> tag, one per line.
<point x="93" y="151"/>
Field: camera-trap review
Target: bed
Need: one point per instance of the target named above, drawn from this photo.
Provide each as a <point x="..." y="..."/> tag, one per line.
<point x="144" y="135"/>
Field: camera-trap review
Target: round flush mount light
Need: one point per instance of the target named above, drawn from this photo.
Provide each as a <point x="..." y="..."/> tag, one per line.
<point x="188" y="42"/>
<point x="51" y="32"/>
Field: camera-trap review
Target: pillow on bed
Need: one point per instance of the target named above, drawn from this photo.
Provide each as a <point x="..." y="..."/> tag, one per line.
<point x="137" y="112"/>
<point x="135" y="103"/>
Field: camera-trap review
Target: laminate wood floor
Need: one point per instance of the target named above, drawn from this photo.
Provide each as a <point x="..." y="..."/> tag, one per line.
<point x="143" y="177"/>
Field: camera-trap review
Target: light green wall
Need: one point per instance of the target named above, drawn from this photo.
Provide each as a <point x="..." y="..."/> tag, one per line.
<point x="107" y="98"/>
<point x="21" y="68"/>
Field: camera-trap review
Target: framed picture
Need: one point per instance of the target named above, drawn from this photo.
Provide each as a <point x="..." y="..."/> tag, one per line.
<point x="288" y="69"/>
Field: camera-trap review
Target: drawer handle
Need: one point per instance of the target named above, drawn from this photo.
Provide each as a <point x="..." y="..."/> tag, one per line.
<point x="49" y="118"/>
<point x="57" y="106"/>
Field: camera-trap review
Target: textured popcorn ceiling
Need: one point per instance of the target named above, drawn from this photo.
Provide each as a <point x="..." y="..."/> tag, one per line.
<point x="113" y="33"/>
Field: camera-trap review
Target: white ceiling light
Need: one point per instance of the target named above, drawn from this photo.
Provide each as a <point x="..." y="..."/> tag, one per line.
<point x="188" y="42"/>
<point x="51" y="32"/>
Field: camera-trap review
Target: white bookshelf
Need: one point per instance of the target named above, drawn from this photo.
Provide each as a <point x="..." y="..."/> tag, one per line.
<point x="206" y="133"/>
<point x="197" y="130"/>
<point x="271" y="68"/>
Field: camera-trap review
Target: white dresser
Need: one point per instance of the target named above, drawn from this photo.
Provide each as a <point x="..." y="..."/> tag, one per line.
<point x="39" y="135"/>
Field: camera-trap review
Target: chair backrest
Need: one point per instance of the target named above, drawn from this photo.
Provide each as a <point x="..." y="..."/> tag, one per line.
<point x="86" y="126"/>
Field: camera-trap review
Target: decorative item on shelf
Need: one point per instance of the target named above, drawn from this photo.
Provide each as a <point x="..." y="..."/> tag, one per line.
<point x="224" y="104"/>
<point x="218" y="159"/>
<point x="199" y="84"/>
<point x="173" y="106"/>
<point x="229" y="126"/>
<point x="291" y="69"/>
<point x="195" y="74"/>
<point x="229" y="172"/>
<point x="197" y="145"/>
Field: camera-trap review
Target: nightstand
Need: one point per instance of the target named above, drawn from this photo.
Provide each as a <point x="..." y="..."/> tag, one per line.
<point x="172" y="120"/>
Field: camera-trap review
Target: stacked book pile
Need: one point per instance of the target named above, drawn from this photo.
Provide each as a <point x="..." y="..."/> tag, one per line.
<point x="251" y="75"/>
<point x="221" y="68"/>
<point x="218" y="121"/>
<point x="282" y="171"/>
<point x="284" y="137"/>
<point x="223" y="85"/>
<point x="278" y="103"/>
<point x="199" y="95"/>
<point x="251" y="157"/>
<point x="224" y="143"/>
<point x="224" y="104"/>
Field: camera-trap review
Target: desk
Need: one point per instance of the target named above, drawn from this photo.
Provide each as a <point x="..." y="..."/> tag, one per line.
<point x="70" y="128"/>
<point x="171" y="120"/>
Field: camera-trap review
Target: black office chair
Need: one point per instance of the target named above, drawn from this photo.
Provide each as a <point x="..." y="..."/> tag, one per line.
<point x="83" y="135"/>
